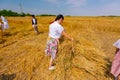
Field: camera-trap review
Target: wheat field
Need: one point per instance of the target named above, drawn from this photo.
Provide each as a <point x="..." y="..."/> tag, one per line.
<point x="88" y="57"/>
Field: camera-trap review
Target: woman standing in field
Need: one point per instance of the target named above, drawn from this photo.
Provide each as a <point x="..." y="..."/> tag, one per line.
<point x="34" y="24"/>
<point x="55" y="32"/>
<point x="115" y="69"/>
<point x="1" y="27"/>
<point x="4" y="23"/>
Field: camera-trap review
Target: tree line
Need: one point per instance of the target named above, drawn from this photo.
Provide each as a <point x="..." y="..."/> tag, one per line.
<point x="5" y="12"/>
<point x="12" y="13"/>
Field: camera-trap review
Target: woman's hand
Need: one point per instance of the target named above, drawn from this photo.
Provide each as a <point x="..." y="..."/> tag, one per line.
<point x="66" y="35"/>
<point x="72" y="39"/>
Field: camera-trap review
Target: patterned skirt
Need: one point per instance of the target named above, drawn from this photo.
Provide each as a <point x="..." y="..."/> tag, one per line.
<point x="115" y="69"/>
<point x="51" y="47"/>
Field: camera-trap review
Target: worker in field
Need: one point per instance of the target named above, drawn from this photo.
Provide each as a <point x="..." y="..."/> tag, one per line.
<point x="1" y="27"/>
<point x="1" y="24"/>
<point x="55" y="32"/>
<point x="115" y="69"/>
<point x="4" y="23"/>
<point x="34" y="24"/>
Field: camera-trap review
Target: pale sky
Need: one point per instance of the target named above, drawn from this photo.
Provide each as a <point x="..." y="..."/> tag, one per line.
<point x="65" y="7"/>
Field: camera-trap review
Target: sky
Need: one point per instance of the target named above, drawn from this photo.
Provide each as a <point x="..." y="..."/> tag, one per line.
<point x="65" y="7"/>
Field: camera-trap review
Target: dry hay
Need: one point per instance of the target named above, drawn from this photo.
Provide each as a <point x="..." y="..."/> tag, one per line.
<point x="22" y="53"/>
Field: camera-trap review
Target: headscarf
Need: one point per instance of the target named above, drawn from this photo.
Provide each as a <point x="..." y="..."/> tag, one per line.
<point x="3" y="19"/>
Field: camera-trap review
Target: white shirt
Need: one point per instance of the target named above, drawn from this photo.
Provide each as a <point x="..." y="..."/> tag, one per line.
<point x="55" y="30"/>
<point x="3" y="19"/>
<point x="117" y="44"/>
<point x="34" y="21"/>
<point x="6" y="26"/>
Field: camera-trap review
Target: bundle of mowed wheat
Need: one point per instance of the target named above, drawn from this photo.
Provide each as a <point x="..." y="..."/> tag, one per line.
<point x="88" y="57"/>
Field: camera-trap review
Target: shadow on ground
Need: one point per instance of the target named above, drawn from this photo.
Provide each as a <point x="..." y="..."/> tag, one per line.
<point x="7" y="77"/>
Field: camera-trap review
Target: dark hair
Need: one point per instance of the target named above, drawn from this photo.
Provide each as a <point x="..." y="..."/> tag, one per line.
<point x="59" y="17"/>
<point x="33" y="16"/>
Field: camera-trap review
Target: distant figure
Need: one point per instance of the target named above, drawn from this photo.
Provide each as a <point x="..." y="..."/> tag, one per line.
<point x="1" y="27"/>
<point x="4" y="23"/>
<point x="34" y="24"/>
<point x="1" y="24"/>
<point x="115" y="69"/>
<point x="55" y="32"/>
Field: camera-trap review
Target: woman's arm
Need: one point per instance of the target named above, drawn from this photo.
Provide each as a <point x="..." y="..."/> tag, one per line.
<point x="66" y="35"/>
<point x="117" y="49"/>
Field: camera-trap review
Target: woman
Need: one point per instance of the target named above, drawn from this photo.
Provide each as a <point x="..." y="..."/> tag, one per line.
<point x="34" y="24"/>
<point x="1" y="27"/>
<point x="5" y="23"/>
<point x="55" y="32"/>
<point x="115" y="69"/>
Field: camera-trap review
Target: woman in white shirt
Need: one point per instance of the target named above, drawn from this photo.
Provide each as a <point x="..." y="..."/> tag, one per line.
<point x="55" y="32"/>
<point x="5" y="23"/>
